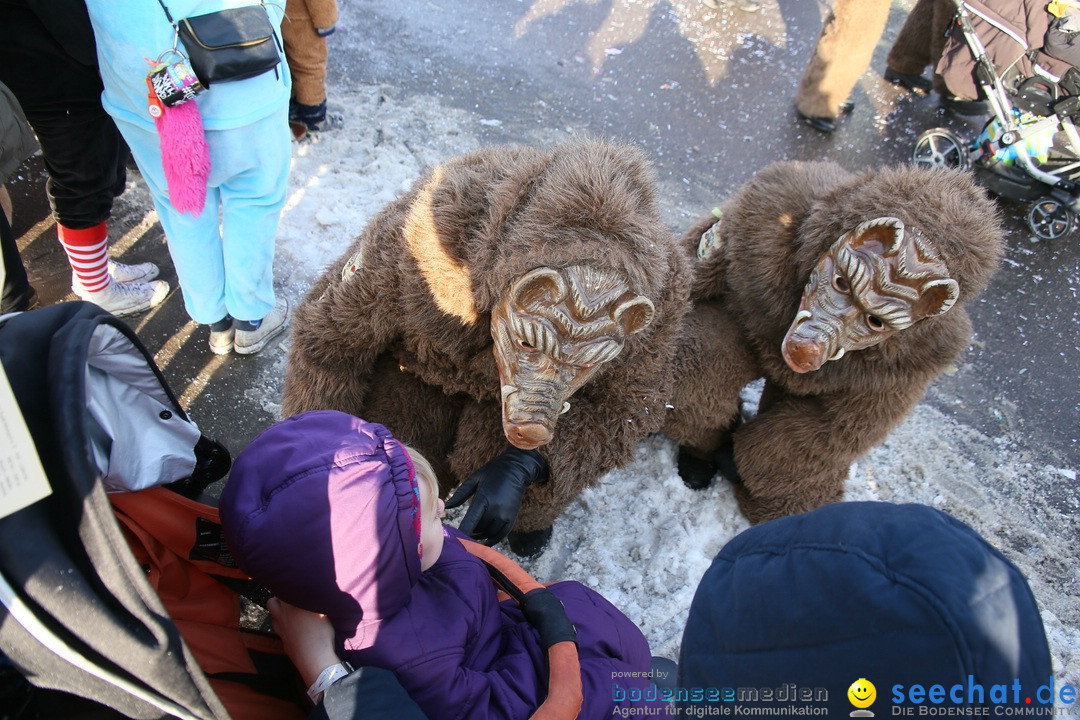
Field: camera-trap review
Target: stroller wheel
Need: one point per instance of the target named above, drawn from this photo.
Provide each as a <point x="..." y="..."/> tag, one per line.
<point x="1050" y="219"/>
<point x="940" y="148"/>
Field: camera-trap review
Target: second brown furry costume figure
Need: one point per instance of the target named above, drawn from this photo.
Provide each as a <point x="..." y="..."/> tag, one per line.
<point x="513" y="316"/>
<point x="845" y="292"/>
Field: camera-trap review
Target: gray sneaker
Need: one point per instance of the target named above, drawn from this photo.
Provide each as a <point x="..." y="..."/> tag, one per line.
<point x="249" y="342"/>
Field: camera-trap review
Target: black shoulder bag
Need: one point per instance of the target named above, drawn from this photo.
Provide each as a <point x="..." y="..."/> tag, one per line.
<point x="226" y="45"/>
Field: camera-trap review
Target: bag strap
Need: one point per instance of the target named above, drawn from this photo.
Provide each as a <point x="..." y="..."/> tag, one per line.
<point x="557" y="635"/>
<point x="167" y="13"/>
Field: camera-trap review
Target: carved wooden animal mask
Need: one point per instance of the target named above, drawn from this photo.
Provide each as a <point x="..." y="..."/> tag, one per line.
<point x="874" y="281"/>
<point x="553" y="330"/>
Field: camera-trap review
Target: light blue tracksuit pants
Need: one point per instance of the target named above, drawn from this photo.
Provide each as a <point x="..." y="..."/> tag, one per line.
<point x="224" y="257"/>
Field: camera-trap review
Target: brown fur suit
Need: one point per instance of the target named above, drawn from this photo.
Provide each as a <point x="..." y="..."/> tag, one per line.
<point x="305" y="50"/>
<point x="795" y="454"/>
<point x="405" y="350"/>
<point x="921" y="40"/>
<point x="842" y="54"/>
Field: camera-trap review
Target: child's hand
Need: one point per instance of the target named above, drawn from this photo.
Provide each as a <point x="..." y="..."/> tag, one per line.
<point x="308" y="638"/>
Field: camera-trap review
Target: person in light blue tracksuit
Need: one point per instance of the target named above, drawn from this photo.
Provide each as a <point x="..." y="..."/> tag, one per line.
<point x="226" y="272"/>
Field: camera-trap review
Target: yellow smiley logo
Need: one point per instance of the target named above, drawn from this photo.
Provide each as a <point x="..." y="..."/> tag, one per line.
<point x="862" y="693"/>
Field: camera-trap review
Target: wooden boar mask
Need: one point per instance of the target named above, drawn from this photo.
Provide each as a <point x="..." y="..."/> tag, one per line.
<point x="874" y="281"/>
<point x="553" y="330"/>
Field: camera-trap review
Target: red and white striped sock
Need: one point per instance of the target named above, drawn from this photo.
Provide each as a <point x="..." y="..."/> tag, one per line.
<point x="88" y="254"/>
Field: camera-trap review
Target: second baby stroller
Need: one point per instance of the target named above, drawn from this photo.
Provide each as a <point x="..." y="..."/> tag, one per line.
<point x="1029" y="149"/>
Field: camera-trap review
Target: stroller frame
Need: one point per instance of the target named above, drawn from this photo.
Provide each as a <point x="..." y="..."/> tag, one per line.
<point x="1054" y="194"/>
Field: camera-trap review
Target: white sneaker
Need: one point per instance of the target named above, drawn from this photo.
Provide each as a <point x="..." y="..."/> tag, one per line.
<point x="248" y="342"/>
<point x="221" y="341"/>
<point x="120" y="272"/>
<point x="122" y="299"/>
<point x="139" y="272"/>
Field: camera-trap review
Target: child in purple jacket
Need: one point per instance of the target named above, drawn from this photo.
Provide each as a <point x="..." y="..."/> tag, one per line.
<point x="326" y="511"/>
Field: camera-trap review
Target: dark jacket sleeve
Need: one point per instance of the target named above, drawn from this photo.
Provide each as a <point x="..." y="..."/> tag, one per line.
<point x="368" y="694"/>
<point x="16" y="138"/>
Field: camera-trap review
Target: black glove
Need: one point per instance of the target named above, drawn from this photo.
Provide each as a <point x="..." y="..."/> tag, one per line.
<point x="498" y="487"/>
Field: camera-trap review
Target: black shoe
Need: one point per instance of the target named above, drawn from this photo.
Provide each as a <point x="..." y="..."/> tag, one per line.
<point x="824" y="124"/>
<point x="724" y="459"/>
<point x="913" y="83"/>
<point x="529" y="544"/>
<point x="696" y="473"/>
<point x="967" y="108"/>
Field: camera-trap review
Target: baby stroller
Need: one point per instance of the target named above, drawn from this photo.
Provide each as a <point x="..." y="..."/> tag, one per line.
<point x="1029" y="149"/>
<point x="80" y="614"/>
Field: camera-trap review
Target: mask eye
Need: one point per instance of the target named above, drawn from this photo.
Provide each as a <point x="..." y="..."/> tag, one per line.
<point x="875" y="323"/>
<point x="841" y="284"/>
<point x="526" y="346"/>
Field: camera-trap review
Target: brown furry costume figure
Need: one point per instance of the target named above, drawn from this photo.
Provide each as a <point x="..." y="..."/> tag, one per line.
<point x="559" y="256"/>
<point x="846" y="293"/>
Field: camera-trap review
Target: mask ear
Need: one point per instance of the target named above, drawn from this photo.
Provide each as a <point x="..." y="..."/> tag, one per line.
<point x="936" y="297"/>
<point x="634" y="315"/>
<point x="542" y="285"/>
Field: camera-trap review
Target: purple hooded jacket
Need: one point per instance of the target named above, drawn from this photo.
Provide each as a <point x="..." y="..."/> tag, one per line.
<point x="322" y="509"/>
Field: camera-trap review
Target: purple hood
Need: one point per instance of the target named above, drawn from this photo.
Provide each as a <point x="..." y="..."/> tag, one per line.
<point x="322" y="509"/>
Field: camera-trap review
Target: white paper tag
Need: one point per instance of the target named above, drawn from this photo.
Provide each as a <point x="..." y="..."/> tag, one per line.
<point x="22" y="479"/>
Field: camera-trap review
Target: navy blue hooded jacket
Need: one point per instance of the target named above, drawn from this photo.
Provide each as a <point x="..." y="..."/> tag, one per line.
<point x="795" y="611"/>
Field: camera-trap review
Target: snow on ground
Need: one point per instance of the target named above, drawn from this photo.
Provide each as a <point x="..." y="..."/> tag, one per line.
<point x="641" y="538"/>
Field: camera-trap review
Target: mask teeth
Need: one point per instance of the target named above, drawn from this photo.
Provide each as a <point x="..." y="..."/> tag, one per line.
<point x="838" y="354"/>
<point x="803" y="315"/>
<point x="565" y="407"/>
<point x="507" y="390"/>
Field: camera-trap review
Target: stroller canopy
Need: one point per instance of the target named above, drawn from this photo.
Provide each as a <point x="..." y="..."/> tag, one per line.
<point x="78" y="614"/>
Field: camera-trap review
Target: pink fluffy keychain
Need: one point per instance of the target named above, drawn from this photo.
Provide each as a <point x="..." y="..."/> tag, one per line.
<point x="185" y="155"/>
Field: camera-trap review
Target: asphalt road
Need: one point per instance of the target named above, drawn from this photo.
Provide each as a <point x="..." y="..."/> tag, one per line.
<point x="708" y="94"/>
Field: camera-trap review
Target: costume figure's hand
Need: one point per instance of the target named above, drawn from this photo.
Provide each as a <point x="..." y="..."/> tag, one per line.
<point x="497" y="489"/>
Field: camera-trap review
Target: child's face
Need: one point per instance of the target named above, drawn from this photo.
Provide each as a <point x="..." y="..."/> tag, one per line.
<point x="432" y="510"/>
